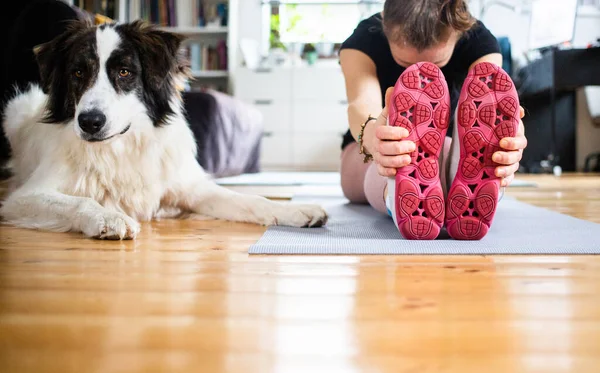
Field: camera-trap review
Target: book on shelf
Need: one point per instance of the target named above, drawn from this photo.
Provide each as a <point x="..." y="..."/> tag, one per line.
<point x="207" y="57"/>
<point x="106" y="8"/>
<point x="179" y="13"/>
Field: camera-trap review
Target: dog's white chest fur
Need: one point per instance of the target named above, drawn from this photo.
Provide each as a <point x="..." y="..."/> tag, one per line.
<point x="123" y="178"/>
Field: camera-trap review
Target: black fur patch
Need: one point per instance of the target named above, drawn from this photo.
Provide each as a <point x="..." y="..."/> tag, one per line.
<point x="58" y="61"/>
<point x="125" y="59"/>
<point x="158" y="54"/>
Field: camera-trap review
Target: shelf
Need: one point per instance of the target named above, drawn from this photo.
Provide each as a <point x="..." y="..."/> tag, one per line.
<point x="210" y="73"/>
<point x="196" y="30"/>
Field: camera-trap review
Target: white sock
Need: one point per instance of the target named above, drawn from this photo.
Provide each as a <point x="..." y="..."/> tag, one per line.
<point x="390" y="200"/>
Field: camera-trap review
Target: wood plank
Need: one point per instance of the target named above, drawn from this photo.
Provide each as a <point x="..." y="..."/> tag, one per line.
<point x="186" y="297"/>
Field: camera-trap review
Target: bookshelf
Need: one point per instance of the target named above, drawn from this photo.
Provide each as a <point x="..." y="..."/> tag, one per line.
<point x="190" y="30"/>
<point x="210" y="73"/>
<point x="207" y="24"/>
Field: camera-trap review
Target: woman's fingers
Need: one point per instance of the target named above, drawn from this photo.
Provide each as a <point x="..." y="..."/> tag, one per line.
<point x="396" y="161"/>
<point x="396" y="147"/>
<point x="506" y="171"/>
<point x="513" y="143"/>
<point x="388" y="96"/>
<point x="521" y="112"/>
<point x="507" y="180"/>
<point x="391" y="133"/>
<point x="386" y="172"/>
<point x="507" y="158"/>
<point x="391" y="151"/>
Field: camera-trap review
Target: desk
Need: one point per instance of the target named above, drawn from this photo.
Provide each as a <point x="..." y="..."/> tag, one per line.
<point x="547" y="92"/>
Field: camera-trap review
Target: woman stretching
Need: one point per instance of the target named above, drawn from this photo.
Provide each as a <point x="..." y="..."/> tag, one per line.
<point x="421" y="70"/>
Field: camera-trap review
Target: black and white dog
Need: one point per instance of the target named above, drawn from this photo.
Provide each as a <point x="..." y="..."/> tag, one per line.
<point x="104" y="143"/>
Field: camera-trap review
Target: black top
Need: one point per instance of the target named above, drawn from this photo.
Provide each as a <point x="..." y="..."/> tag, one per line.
<point x="368" y="37"/>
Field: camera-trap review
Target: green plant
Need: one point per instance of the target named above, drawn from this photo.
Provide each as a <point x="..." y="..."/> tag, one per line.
<point x="308" y="48"/>
<point x="275" y="37"/>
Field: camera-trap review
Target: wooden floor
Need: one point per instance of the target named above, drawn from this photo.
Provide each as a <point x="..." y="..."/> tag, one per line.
<point x="186" y="297"/>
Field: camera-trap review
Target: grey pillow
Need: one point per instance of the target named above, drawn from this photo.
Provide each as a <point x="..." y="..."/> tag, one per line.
<point x="228" y="132"/>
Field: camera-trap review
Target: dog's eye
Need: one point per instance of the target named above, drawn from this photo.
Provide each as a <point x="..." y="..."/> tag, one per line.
<point x="78" y="73"/>
<point x="124" y="73"/>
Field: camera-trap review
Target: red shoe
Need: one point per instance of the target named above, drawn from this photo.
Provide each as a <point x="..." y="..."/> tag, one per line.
<point x="488" y="111"/>
<point x="421" y="104"/>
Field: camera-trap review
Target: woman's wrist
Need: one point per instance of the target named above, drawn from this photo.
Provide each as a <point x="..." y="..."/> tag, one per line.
<point x="369" y="137"/>
<point x="364" y="139"/>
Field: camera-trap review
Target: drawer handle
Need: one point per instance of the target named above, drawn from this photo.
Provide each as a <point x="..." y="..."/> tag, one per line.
<point x="267" y="134"/>
<point x="263" y="102"/>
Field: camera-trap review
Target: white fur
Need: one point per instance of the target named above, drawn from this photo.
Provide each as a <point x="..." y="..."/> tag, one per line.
<point x="119" y="109"/>
<point x="64" y="183"/>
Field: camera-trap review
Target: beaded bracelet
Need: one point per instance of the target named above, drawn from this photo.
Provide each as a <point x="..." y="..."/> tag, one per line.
<point x="368" y="156"/>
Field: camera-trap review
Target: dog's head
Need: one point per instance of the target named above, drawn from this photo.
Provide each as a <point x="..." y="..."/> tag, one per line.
<point x="103" y="78"/>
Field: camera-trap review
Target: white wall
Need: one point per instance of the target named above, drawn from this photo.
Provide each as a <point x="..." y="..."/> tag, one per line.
<point x="250" y="22"/>
<point x="504" y="22"/>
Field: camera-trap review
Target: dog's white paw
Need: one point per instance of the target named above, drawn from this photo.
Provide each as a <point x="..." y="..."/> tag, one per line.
<point x="303" y="216"/>
<point x="112" y="226"/>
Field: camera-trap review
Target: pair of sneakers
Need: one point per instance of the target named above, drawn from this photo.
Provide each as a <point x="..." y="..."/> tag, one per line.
<point x="487" y="111"/>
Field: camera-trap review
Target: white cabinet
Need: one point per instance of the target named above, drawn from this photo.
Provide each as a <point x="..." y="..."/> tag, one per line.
<point x="276" y="150"/>
<point x="315" y="83"/>
<point x="277" y="116"/>
<point x="304" y="111"/>
<point x="317" y="152"/>
<point x="265" y="85"/>
<point x="320" y="117"/>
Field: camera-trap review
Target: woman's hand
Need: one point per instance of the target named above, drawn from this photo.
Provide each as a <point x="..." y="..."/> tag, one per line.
<point x="509" y="159"/>
<point x="387" y="145"/>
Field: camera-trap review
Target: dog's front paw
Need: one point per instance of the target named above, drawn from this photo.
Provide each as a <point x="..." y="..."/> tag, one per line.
<point x="112" y="226"/>
<point x="304" y="216"/>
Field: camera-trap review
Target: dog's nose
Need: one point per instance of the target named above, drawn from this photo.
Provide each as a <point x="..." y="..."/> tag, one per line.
<point x="91" y="121"/>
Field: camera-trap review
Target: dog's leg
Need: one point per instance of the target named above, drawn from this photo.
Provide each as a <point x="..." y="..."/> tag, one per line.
<point x="207" y="198"/>
<point x="53" y="211"/>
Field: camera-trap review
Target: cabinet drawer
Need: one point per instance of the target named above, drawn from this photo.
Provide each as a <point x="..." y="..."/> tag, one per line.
<point x="320" y="117"/>
<point x="318" y="84"/>
<point x="317" y="152"/>
<point x="277" y="117"/>
<point x="276" y="150"/>
<point x="264" y="85"/>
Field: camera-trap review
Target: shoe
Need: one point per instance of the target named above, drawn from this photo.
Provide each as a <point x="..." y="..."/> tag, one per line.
<point x="488" y="110"/>
<point x="421" y="104"/>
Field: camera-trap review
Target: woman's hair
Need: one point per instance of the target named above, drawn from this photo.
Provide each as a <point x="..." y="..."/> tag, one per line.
<point x="424" y="23"/>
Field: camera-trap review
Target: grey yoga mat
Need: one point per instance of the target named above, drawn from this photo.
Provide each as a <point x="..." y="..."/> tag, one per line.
<point x="283" y="178"/>
<point x="304" y="178"/>
<point x="518" y="228"/>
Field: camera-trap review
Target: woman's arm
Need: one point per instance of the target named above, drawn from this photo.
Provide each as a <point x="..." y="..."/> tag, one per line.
<point x="495" y="58"/>
<point x="362" y="88"/>
<point x="364" y="99"/>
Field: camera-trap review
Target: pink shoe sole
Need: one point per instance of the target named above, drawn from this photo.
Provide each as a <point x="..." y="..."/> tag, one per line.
<point x="421" y="104"/>
<point x="488" y="110"/>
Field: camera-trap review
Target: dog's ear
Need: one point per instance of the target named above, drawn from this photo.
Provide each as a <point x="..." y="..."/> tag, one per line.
<point x="158" y="50"/>
<point x="51" y="58"/>
<point x="48" y="60"/>
<point x="160" y="58"/>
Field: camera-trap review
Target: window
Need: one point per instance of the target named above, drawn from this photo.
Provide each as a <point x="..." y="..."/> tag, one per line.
<point x="313" y="21"/>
